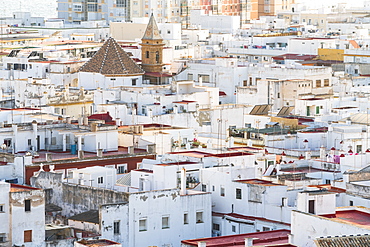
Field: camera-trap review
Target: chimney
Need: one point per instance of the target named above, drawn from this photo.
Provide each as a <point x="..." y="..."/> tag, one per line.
<point x="131" y="149"/>
<point x="68" y="120"/>
<point x="200" y="81"/>
<point x="94" y="127"/>
<point x="118" y="121"/>
<point x="51" y="168"/>
<point x="183" y="183"/>
<point x="175" y="109"/>
<point x="322" y="153"/>
<point x="34" y="135"/>
<point x="81" y="154"/>
<point x="284" y="201"/>
<point x="86" y="121"/>
<point x="348" y="121"/>
<point x="248" y="242"/>
<point x="99" y="152"/>
<point x="202" y="244"/>
<point x="48" y="157"/>
<point x="308" y="155"/>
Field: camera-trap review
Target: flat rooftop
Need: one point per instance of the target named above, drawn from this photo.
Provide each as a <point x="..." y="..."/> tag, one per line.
<point x="354" y="217"/>
<point x="267" y="238"/>
<point x="64" y="156"/>
<point x="258" y="182"/>
<point x="199" y="154"/>
<point x="306" y="170"/>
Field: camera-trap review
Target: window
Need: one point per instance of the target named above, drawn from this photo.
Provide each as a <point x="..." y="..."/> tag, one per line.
<point x="311" y="206"/>
<point x="265" y="229"/>
<point x="186" y="218"/>
<point x="120" y="3"/>
<point x="216" y="227"/>
<point x="278" y="95"/>
<point x="57" y="110"/>
<point x="147" y="54"/>
<point x="233" y="228"/>
<point x="2" y="208"/>
<point x="29" y="142"/>
<point x="165" y="222"/>
<point x="133" y="82"/>
<point x="122" y="169"/>
<point x="157" y="60"/>
<point x="318" y="83"/>
<point x="356" y="71"/>
<point x="27" y="205"/>
<point x="168" y="31"/>
<point x="92" y="7"/>
<point x="27" y="236"/>
<point x="326" y="82"/>
<point x="358" y="148"/>
<point x="53" y="141"/>
<point x="142" y="225"/>
<point x="100" y="180"/>
<point x="63" y="111"/>
<point x="199" y="217"/>
<point x="2" y="237"/>
<point x="351" y="203"/>
<point x="238" y="193"/>
<point x="204" y="187"/>
<point x="116" y="227"/>
<point x="8" y="142"/>
<point x="190" y="77"/>
<point x="205" y="78"/>
<point x="222" y="191"/>
<point x="213" y="188"/>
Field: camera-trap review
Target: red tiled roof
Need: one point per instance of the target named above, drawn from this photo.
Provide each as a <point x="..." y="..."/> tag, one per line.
<point x="267" y="238"/>
<point x="19" y="188"/>
<point x="103" y="116"/>
<point x="111" y="59"/>
<point x="354" y="216"/>
<point x="184" y="102"/>
<point x="294" y="57"/>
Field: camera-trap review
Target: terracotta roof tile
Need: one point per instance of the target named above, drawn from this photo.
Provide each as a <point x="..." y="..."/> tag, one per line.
<point x="111" y="59"/>
<point x="344" y="241"/>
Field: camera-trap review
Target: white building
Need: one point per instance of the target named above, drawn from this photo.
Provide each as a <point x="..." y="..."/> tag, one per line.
<point x="96" y="176"/>
<point x="110" y="67"/>
<point x="22" y="215"/>
<point x="149" y="217"/>
<point x="317" y="216"/>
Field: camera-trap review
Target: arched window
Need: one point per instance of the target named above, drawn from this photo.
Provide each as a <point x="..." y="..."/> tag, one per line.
<point x="157" y="57"/>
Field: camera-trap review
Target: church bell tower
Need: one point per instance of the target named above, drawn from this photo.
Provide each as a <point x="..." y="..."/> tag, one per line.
<point x="152" y="48"/>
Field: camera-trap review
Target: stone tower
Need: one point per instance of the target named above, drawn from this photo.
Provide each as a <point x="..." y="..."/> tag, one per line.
<point x="152" y="48"/>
